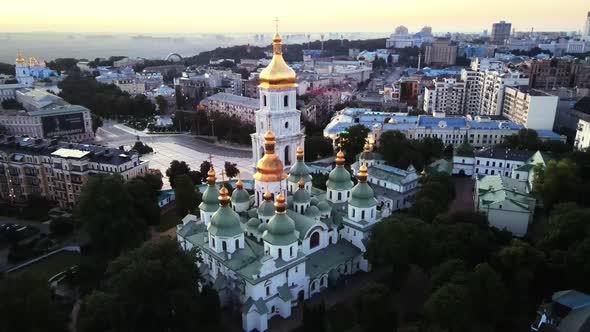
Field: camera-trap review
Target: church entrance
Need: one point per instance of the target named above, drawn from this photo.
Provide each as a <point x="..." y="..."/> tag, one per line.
<point x="300" y="296"/>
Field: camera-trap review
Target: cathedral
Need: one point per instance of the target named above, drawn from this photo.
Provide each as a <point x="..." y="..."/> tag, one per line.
<point x="265" y="253"/>
<point x="28" y="70"/>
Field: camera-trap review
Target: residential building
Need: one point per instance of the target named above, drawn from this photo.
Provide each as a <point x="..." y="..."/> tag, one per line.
<point x="582" y="141"/>
<point x="401" y="38"/>
<point x="501" y="32"/>
<point x="531" y="108"/>
<point x="262" y="253"/>
<point x="492" y="89"/>
<point x="441" y="52"/>
<point x="551" y="73"/>
<point x="586" y="32"/>
<point x="568" y="311"/>
<point x="506" y="202"/>
<point x="241" y="107"/>
<point x="58" y="170"/>
<point x="446" y="95"/>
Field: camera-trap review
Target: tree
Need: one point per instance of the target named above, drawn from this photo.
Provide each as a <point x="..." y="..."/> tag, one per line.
<point x="144" y="199"/>
<point x="374" y="308"/>
<point x="314" y="317"/>
<point x="451" y="271"/>
<point x="12" y="104"/>
<point x="447" y="308"/>
<point x="61" y="226"/>
<point x="154" y="179"/>
<point x="107" y="212"/>
<point x="153" y="289"/>
<point x="176" y="168"/>
<point x="96" y="122"/>
<point x="231" y="169"/>
<point x="568" y="224"/>
<point x="558" y="182"/>
<point x="487" y="295"/>
<point x="317" y="147"/>
<point x="27" y="305"/>
<point x="162" y="104"/>
<point x="142" y="148"/>
<point x="196" y="177"/>
<point x="204" y="169"/>
<point x="353" y="140"/>
<point x="186" y="195"/>
<point x="7" y="69"/>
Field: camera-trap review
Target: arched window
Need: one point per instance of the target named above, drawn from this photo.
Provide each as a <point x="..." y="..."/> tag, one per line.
<point x="267" y="291"/>
<point x="313" y="286"/>
<point x="363" y="214"/>
<point x="280" y="253"/>
<point x="264" y="98"/>
<point x="223" y="245"/>
<point x="291" y="251"/>
<point x="212" y="242"/>
<point x="286" y="124"/>
<point x="339" y="196"/>
<point x="314" y="241"/>
<point x="237" y="244"/>
<point x="353" y="212"/>
<point x="330" y="194"/>
<point x="286" y="101"/>
<point x="287" y="156"/>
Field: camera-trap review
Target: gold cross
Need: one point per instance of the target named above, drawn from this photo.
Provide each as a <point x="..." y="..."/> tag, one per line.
<point x="276" y="25"/>
<point x="222" y="175"/>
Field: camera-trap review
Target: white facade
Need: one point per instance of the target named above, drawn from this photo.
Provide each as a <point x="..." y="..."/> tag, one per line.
<point x="531" y="108"/>
<point x="582" y="135"/>
<point x="243" y="108"/>
<point x="446" y="96"/>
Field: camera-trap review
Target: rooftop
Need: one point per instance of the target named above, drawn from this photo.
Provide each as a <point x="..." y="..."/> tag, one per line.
<point x="505" y="154"/>
<point x="229" y="98"/>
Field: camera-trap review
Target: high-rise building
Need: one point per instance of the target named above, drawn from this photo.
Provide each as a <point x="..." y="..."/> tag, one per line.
<point x="586" y="32"/>
<point x="531" y="108"/>
<point x="445" y="96"/>
<point x="501" y="32"/>
<point x="442" y="52"/>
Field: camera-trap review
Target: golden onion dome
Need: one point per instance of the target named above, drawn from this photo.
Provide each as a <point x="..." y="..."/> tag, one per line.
<point x="223" y="196"/>
<point x="239" y="184"/>
<point x="269" y="168"/>
<point x="19" y="59"/>
<point x="280" y="204"/>
<point x="299" y="153"/>
<point x="278" y="74"/>
<point x="363" y="173"/>
<point x="32" y="61"/>
<point x="211" y="177"/>
<point x="340" y="158"/>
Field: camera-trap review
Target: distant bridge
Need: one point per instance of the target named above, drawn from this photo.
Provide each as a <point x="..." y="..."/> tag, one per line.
<point x="173" y="55"/>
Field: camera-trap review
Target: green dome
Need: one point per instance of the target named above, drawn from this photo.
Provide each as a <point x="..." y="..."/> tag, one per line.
<point x="324" y="207"/>
<point x="225" y="222"/>
<point x="210" y="200"/>
<point x="339" y="179"/>
<point x="253" y="223"/>
<point x="299" y="170"/>
<point x="313" y="212"/>
<point x="266" y="209"/>
<point x="240" y="196"/>
<point x="362" y="196"/>
<point x="314" y="201"/>
<point x="280" y="230"/>
<point x="301" y="196"/>
<point x="262" y="227"/>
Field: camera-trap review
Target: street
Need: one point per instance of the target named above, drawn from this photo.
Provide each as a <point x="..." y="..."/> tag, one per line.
<point x="183" y="147"/>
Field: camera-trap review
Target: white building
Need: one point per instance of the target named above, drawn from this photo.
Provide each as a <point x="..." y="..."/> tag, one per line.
<point x="586" y="32"/>
<point x="242" y="107"/>
<point x="270" y="256"/>
<point x="582" y="135"/>
<point x="446" y="95"/>
<point x="506" y="202"/>
<point x="494" y="161"/>
<point x="531" y="108"/>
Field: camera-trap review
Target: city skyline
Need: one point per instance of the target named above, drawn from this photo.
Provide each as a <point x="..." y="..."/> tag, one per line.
<point x="308" y="16"/>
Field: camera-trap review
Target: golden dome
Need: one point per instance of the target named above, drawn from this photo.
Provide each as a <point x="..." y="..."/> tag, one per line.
<point x="269" y="168"/>
<point x="223" y="196"/>
<point x="32" y="61"/>
<point x="299" y="153"/>
<point x="367" y="147"/>
<point x="278" y="74"/>
<point x="19" y="58"/>
<point x="340" y="158"/>
<point x="42" y="63"/>
<point x="301" y="183"/>
<point x="267" y="195"/>
<point x="280" y="204"/>
<point x="239" y="184"/>
<point x="211" y="177"/>
<point x="363" y="173"/>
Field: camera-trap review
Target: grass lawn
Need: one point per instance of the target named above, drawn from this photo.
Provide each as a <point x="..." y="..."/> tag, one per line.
<point x="47" y="268"/>
<point x="168" y="220"/>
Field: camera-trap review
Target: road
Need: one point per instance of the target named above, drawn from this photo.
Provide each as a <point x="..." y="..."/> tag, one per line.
<point x="183" y="147"/>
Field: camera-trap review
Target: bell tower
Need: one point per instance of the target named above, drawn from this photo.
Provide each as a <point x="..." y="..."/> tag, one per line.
<point x="278" y="91"/>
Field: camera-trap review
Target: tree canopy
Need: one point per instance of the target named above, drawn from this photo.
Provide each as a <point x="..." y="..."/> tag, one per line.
<point x="152" y="288"/>
<point x="353" y="140"/>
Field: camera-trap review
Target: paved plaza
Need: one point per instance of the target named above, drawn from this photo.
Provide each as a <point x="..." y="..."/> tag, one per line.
<point x="183" y="147"/>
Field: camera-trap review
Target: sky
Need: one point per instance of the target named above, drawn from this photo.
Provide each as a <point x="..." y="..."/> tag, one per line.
<point x="205" y="16"/>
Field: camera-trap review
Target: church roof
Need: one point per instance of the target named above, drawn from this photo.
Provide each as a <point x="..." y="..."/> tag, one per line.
<point x="329" y="258"/>
<point x="225" y="222"/>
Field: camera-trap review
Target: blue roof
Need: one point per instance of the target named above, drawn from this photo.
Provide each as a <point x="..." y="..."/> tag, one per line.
<point x="494" y="125"/>
<point x="548" y="133"/>
<point x="429" y="121"/>
<point x="572" y="299"/>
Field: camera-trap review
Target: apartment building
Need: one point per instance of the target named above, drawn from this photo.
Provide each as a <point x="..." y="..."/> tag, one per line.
<point x="441" y="52"/>
<point x="446" y="96"/>
<point x="531" y="108"/>
<point x="58" y="170"/>
<point x="582" y="141"/>
<point x="241" y="107"/>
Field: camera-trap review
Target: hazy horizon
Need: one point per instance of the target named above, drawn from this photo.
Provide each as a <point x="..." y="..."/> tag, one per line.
<point x="185" y="16"/>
